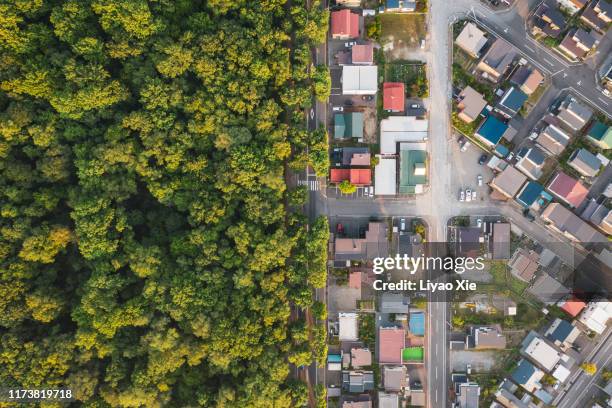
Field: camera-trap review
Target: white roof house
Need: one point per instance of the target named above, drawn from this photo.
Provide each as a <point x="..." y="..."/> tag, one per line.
<point x="359" y="79"/>
<point x="396" y="129"/>
<point x="386" y="400"/>
<point x="561" y="373"/>
<point x="385" y="176"/>
<point x="471" y="39"/>
<point x="543" y="353"/>
<point x="348" y="329"/>
<point x="596" y="315"/>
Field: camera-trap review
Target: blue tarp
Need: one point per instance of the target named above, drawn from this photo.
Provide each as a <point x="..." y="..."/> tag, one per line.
<point x="334" y="358"/>
<point x="417" y="323"/>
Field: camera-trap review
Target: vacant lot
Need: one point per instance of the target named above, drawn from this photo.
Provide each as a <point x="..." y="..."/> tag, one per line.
<point x="401" y="31"/>
<point x="412" y="74"/>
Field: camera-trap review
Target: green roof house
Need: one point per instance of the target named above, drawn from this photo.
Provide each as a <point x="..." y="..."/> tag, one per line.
<point x="600" y="135"/>
<point x="413" y="171"/>
<point x="348" y="125"/>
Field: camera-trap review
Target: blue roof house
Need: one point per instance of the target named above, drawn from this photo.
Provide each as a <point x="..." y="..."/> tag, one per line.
<point x="527" y="375"/>
<point x="511" y="102"/>
<point x="417" y="323"/>
<point x="491" y="131"/>
<point x="562" y="333"/>
<point x="529" y="194"/>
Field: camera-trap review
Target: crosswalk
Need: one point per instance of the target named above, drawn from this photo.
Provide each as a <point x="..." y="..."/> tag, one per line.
<point x="313" y="185"/>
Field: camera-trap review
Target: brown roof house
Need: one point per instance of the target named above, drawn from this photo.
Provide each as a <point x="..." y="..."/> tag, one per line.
<point x="497" y="60"/>
<point x="573" y="114"/>
<point x="578" y="43"/>
<point x="527" y="79"/>
<point x="524" y="264"/>
<point x="553" y="140"/>
<point x="568" y="189"/>
<point x="508" y="182"/>
<point x="392" y="340"/>
<point x="598" y="15"/>
<point x="569" y="224"/>
<point x="375" y="244"/>
<point x="585" y="162"/>
<point x="471" y="39"/>
<point x="394" y="378"/>
<point x="501" y="240"/>
<point x="486" y="337"/>
<point x="471" y="103"/>
<point x="362" y="54"/>
<point x="361" y="357"/>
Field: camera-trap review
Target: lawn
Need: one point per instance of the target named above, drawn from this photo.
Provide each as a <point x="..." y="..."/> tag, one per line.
<point x="412" y="74"/>
<point x="412" y="354"/>
<point x="402" y="29"/>
<point x="504" y="279"/>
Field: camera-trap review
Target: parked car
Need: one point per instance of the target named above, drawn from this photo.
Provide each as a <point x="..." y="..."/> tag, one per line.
<point x="402" y="224"/>
<point x="479" y="180"/>
<point x="465" y="146"/>
<point x="479" y="223"/>
<point x="340" y="228"/>
<point x="461" y="195"/>
<point x="350" y="43"/>
<point x="473" y="195"/>
<point x="482" y="159"/>
<point x="533" y="136"/>
<point x="422" y="44"/>
<point x="338" y="109"/>
<point x="606" y="92"/>
<point x="527" y="214"/>
<point x="415" y="106"/>
<point x="367" y="97"/>
<point x="461" y="140"/>
<point x="371" y="194"/>
<point x="468" y="195"/>
<point x="468" y="369"/>
<point x="348" y="102"/>
<point x="510" y="157"/>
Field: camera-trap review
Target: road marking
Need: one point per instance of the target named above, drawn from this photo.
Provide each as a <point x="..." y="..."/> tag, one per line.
<point x="548" y="62"/>
<point x="579" y="83"/>
<point x="604" y="101"/>
<point x="529" y="48"/>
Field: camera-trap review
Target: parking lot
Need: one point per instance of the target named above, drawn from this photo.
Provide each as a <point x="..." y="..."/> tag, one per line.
<point x="465" y="170"/>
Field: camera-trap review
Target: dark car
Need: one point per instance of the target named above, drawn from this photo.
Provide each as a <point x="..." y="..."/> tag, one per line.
<point x="527" y="214"/>
<point x="461" y="140"/>
<point x="348" y="102"/>
<point x="482" y="159"/>
<point x="367" y="97"/>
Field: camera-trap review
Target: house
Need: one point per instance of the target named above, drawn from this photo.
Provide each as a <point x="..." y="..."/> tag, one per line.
<point x="400" y="6"/>
<point x="486" y="338"/>
<point x="572" y="306"/>
<point x="508" y="182"/>
<point x="596" y="315"/>
<point x="561" y="333"/>
<point x="511" y="102"/>
<point x="527" y="79"/>
<point x="567" y="189"/>
<point x="388" y="400"/>
<point x="396" y="303"/>
<point x="574" y="114"/>
<point x="566" y="222"/>
<point x="524" y="264"/>
<point x="375" y="244"/>
<point x="491" y="131"/>
<point x="468" y="243"/>
<point x="344" y="24"/>
<point x="470" y="104"/>
<point x="606" y="224"/>
<point x="394" y="96"/>
<point x="500" y="244"/>
<point x="417" y="398"/>
<point x="600" y="135"/>
<point x="538" y="350"/>
<point x="358" y="381"/>
<point x="363" y="403"/>
<point x="584" y="162"/>
<point x="359" y="80"/>
<point x="553" y="140"/>
<point x="394" y="378"/>
<point x="361" y="357"/>
<point x="385" y="176"/>
<point x="396" y="129"/>
<point x="527" y="375"/>
<point x="598" y="15"/>
<point x="362" y="54"/>
<point x="604" y="74"/>
<point x="417" y="323"/>
<point x="497" y="60"/>
<point x="577" y="43"/>
<point x="548" y="20"/>
<point x="392" y="340"/>
<point x="571" y="6"/>
<point x="597" y="214"/>
<point x="349" y="3"/>
<point x="467" y="395"/>
<point x="348" y="156"/>
<point x="471" y="40"/>
<point x="348" y="125"/>
<point x="413" y="168"/>
<point x="357" y="177"/>
<point x="531" y="162"/>
<point x="532" y="195"/>
<point x="348" y="327"/>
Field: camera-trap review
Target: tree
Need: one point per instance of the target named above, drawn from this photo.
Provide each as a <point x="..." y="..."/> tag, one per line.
<point x="346" y="187"/>
<point x="458" y="321"/>
<point x="321" y="82"/>
<point x="589" y="368"/>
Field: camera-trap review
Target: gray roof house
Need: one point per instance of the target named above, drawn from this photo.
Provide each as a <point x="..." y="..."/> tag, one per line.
<point x="574" y="114"/>
<point x="394" y="378"/>
<point x="531" y="161"/>
<point x="553" y="140"/>
<point x="584" y="162"/>
<point x="566" y="222"/>
<point x="358" y="381"/>
<point x="468" y="395"/>
<point x="394" y="303"/>
<point x="471" y="39"/>
<point x="496" y="61"/>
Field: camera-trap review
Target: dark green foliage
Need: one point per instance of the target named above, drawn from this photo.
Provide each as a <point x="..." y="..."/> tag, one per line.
<point x="144" y="242"/>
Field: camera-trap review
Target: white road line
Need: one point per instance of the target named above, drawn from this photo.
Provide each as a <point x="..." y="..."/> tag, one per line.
<point x="603" y="100"/>
<point x="529" y="48"/>
<point x="548" y="62"/>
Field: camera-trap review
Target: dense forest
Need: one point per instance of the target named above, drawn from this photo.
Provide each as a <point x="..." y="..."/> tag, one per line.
<point x="151" y="251"/>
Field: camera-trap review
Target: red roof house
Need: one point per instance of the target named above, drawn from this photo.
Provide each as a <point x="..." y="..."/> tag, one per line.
<point x="568" y="189"/>
<point x="361" y="177"/>
<point x="344" y="24"/>
<point x="339" y="175"/>
<point x="572" y="306"/>
<point x="393" y="96"/>
<point x="392" y="341"/>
